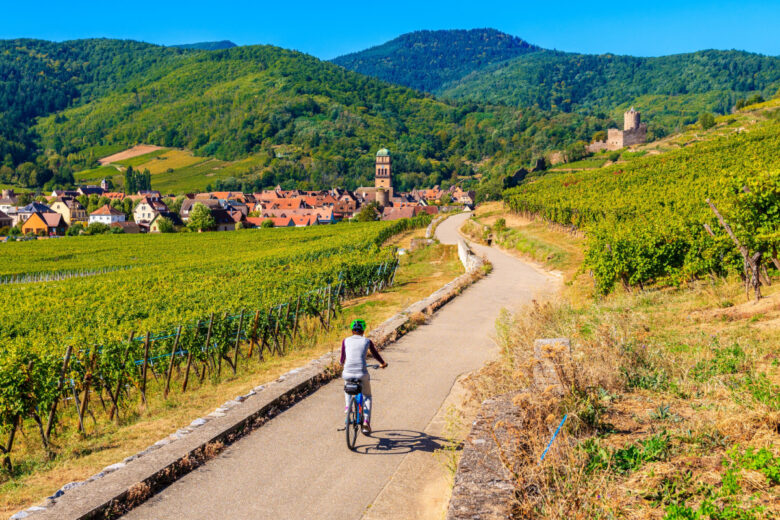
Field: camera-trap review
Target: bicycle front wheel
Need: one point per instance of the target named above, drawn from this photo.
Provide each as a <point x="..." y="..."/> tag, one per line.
<point x="353" y="423"/>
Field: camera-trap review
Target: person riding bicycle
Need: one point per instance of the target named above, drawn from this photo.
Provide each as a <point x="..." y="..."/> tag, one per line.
<point x="353" y="358"/>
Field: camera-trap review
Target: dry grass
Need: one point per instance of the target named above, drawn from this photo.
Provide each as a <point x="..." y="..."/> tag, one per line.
<point x="79" y="457"/>
<point x="665" y="391"/>
<point x="135" y="151"/>
<point x="175" y="159"/>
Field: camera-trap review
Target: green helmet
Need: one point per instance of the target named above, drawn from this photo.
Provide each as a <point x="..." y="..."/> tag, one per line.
<point x="358" y="325"/>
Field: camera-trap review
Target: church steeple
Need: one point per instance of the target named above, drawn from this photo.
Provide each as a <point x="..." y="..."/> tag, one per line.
<point x="382" y="177"/>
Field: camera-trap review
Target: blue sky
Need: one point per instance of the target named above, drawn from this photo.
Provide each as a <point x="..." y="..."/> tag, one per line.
<point x="328" y="29"/>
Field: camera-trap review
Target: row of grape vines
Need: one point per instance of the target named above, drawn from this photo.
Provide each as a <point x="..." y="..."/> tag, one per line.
<point x="647" y="221"/>
<point x="80" y="369"/>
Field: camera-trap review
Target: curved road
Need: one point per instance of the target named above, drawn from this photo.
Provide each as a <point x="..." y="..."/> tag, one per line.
<point x="297" y="465"/>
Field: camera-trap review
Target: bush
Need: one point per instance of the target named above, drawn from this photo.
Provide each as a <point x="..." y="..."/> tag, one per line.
<point x="706" y="121"/>
<point x="97" y="228"/>
<point x="75" y="230"/>
<point x="165" y="225"/>
<point x="614" y="156"/>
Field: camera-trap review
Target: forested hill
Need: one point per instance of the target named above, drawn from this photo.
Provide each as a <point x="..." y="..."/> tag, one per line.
<point x="427" y="60"/>
<point x="207" y="46"/>
<point x="701" y="81"/>
<point x="40" y="77"/>
<point x="297" y="120"/>
<point x="488" y="66"/>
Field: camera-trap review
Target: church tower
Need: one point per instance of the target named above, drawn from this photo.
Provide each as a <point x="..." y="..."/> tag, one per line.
<point x="382" y="178"/>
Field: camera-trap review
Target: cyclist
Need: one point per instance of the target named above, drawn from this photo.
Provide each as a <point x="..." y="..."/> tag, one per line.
<point x="353" y="358"/>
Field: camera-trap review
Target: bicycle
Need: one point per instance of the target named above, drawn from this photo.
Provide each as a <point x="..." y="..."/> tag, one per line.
<point x="354" y="419"/>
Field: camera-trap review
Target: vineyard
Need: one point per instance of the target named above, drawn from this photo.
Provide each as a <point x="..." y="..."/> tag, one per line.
<point x="648" y="220"/>
<point x="162" y="313"/>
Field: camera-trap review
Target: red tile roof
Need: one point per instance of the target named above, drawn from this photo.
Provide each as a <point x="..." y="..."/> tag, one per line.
<point x="53" y="220"/>
<point x="107" y="210"/>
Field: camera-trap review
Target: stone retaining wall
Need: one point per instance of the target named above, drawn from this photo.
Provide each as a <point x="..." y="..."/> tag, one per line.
<point x="467" y="257"/>
<point x="484" y="489"/>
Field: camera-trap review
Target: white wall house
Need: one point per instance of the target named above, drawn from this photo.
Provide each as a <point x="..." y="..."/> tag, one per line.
<point x="106" y="215"/>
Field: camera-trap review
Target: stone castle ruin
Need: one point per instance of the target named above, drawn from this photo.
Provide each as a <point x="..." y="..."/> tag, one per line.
<point x="634" y="132"/>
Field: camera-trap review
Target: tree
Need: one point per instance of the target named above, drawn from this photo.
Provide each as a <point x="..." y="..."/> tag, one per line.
<point x="25" y="173"/>
<point x="165" y="225"/>
<point x="368" y="213"/>
<point x="201" y="219"/>
<point x="6" y="174"/>
<point x="707" y="121"/>
<point x="75" y="229"/>
<point x="575" y="151"/>
<point x="267" y="223"/>
<point x="146" y="180"/>
<point x="174" y="204"/>
<point x="130" y="182"/>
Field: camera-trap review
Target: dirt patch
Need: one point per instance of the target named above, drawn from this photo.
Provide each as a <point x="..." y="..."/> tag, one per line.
<point x="764" y="309"/>
<point x="135" y="151"/>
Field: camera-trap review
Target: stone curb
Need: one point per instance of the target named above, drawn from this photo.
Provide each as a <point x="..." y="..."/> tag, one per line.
<point x="483" y="487"/>
<point x="120" y="487"/>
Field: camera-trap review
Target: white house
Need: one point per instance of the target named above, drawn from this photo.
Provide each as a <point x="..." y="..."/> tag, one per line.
<point x="106" y="215"/>
<point x="147" y="209"/>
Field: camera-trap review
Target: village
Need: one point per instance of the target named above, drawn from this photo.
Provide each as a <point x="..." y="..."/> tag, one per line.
<point x="149" y="211"/>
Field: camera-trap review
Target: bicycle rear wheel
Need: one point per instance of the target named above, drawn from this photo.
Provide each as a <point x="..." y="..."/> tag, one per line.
<point x="353" y="423"/>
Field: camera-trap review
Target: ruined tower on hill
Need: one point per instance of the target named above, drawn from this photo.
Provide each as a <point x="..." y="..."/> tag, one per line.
<point x="634" y="132"/>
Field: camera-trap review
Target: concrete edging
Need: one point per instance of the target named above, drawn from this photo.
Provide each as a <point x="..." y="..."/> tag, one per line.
<point x="122" y="486"/>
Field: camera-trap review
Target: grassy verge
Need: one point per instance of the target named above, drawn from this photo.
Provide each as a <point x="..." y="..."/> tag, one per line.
<point x="672" y="397"/>
<point x="528" y="239"/>
<point x="420" y="274"/>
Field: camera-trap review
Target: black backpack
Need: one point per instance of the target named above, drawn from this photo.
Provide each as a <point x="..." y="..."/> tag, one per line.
<point x="352" y="387"/>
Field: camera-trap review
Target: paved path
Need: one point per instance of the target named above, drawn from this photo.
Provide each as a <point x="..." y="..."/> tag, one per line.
<point x="297" y="466"/>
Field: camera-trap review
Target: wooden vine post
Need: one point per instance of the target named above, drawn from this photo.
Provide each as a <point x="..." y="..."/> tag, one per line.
<point x="145" y="368"/>
<point x="219" y="350"/>
<point x="286" y="331"/>
<point x="264" y="336"/>
<point x="87" y="384"/>
<point x="206" y="347"/>
<point x="330" y="305"/>
<point x="115" y="397"/>
<point x="170" y="365"/>
<point x="60" y="383"/>
<point x="189" y="359"/>
<point x="238" y="341"/>
<point x="253" y="336"/>
<point x="276" y="330"/>
<point x="295" y="321"/>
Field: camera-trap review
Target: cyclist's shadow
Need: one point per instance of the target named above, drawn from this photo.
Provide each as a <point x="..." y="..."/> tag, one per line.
<point x="393" y="442"/>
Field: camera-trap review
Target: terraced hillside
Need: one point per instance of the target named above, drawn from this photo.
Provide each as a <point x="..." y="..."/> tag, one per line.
<point x="645" y="217"/>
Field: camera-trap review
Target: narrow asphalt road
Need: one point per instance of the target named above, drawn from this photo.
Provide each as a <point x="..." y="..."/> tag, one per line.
<point x="297" y="466"/>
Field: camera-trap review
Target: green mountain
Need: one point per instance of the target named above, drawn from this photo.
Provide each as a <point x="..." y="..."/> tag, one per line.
<point x="683" y="85"/>
<point x="207" y="46"/>
<point x="289" y="117"/>
<point x="427" y="60"/>
<point x="488" y="66"/>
